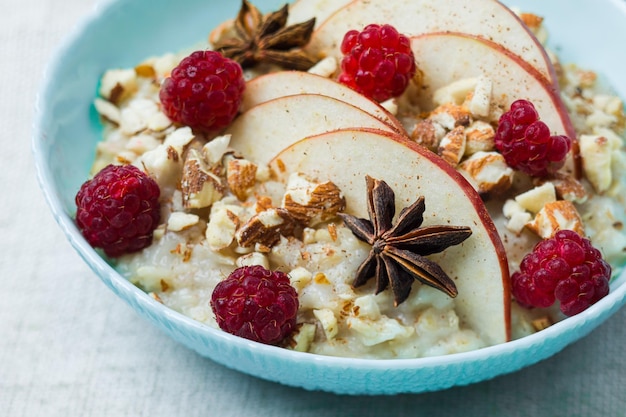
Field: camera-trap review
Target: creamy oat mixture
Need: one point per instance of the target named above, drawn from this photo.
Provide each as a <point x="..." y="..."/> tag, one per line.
<point x="201" y="240"/>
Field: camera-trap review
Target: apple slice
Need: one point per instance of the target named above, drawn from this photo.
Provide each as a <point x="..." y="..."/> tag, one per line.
<point x="447" y="57"/>
<point x="286" y="83"/>
<point x="264" y="130"/>
<point x="478" y="265"/>
<point x="303" y="10"/>
<point x="488" y="19"/>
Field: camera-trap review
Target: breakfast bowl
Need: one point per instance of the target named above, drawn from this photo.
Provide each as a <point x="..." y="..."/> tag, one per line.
<point x="119" y="34"/>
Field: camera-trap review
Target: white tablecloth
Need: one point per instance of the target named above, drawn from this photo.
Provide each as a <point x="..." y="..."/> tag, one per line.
<point x="69" y="347"/>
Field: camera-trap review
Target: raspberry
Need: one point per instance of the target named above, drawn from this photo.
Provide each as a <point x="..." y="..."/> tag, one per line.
<point x="526" y="143"/>
<point x="204" y="91"/>
<point x="378" y="62"/>
<point x="118" y="209"/>
<point x="566" y="268"/>
<point x="257" y="304"/>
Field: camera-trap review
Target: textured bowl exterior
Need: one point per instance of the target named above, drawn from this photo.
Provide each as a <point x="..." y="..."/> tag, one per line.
<point x="119" y="33"/>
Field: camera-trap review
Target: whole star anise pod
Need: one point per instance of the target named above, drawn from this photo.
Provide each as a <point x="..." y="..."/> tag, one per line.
<point x="267" y="39"/>
<point x="399" y="251"/>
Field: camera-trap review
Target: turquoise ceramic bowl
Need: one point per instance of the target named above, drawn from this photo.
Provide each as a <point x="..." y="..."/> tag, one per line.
<point x="122" y="32"/>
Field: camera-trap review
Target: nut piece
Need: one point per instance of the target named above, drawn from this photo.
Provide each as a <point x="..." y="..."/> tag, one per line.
<point x="451" y="115"/>
<point x="107" y="110"/>
<point x="266" y="228"/>
<point x="596" y="156"/>
<point x="480" y="101"/>
<point x="214" y="150"/>
<point x="428" y="133"/>
<point x="301" y="338"/>
<point x="328" y="321"/>
<point x="455" y="92"/>
<point x="555" y="216"/>
<point x="179" y="220"/>
<point x="200" y="186"/>
<point x="240" y="176"/>
<point x="488" y="172"/>
<point x="452" y="146"/>
<point x="518" y="217"/>
<point x="311" y="203"/>
<point x="325" y="67"/>
<point x="535" y="199"/>
<point x="118" y="84"/>
<point x="223" y="224"/>
<point x="480" y="136"/>
<point x="569" y="188"/>
<point x="253" y="258"/>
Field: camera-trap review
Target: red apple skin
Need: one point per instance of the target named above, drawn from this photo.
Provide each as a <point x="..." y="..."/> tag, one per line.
<point x="280" y="171"/>
<point x="306" y="83"/>
<point x="357" y="14"/>
<point x="556" y="105"/>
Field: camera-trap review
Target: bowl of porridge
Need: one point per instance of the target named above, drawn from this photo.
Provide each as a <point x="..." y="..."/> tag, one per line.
<point x="397" y="222"/>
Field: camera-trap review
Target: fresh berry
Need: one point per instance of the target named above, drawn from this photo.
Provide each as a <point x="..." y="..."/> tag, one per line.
<point x="204" y="91"/>
<point x="118" y="209"/>
<point x="566" y="268"/>
<point x="257" y="304"/>
<point x="378" y="62"/>
<point x="526" y="143"/>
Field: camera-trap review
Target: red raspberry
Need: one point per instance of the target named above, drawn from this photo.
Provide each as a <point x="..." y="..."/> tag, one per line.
<point x="378" y="62"/>
<point x="565" y="267"/>
<point x="257" y="304"/>
<point x="526" y="143"/>
<point x="204" y="91"/>
<point x="118" y="209"/>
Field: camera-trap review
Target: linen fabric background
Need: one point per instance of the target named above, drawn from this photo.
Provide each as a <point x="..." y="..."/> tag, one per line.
<point x="69" y="347"/>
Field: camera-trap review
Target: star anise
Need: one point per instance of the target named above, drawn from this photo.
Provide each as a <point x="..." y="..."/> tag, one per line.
<point x="399" y="251"/>
<point x="267" y="39"/>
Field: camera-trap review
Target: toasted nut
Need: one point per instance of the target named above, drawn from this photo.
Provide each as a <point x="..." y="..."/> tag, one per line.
<point x="451" y="115"/>
<point x="531" y="20"/>
<point x="240" y="176"/>
<point x="311" y="203"/>
<point x="428" y="133"/>
<point x="555" y="216"/>
<point x="488" y="172"/>
<point x="200" y="186"/>
<point x="146" y="70"/>
<point x="452" y="146"/>
<point x="479" y="138"/>
<point x="266" y="228"/>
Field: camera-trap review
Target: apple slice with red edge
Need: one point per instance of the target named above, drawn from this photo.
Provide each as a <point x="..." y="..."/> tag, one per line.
<point x="488" y="19"/>
<point x="478" y="266"/>
<point x="447" y="57"/>
<point x="285" y="83"/>
<point x="265" y="129"/>
<point x="303" y="10"/>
